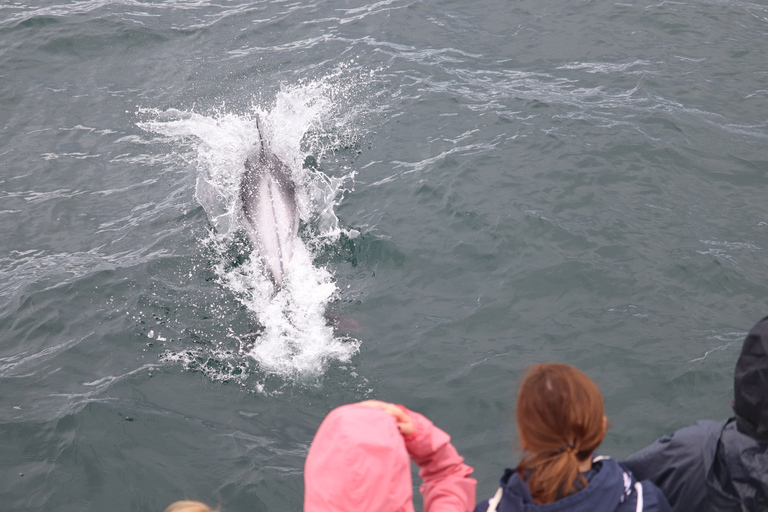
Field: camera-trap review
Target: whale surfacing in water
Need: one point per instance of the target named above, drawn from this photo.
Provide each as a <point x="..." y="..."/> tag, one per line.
<point x="269" y="209"/>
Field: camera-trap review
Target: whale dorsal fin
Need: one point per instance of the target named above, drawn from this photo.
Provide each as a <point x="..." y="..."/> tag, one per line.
<point x="261" y="137"/>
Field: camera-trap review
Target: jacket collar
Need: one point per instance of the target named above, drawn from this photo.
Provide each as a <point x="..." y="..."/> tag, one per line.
<point x="603" y="493"/>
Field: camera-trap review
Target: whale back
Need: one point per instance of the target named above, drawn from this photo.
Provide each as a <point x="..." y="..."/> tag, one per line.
<point x="269" y="209"/>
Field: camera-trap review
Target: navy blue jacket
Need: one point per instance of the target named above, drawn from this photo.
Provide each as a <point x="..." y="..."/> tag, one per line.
<point x="719" y="465"/>
<point x="709" y="466"/>
<point x="611" y="488"/>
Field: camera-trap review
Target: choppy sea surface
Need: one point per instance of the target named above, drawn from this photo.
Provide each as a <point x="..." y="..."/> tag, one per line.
<point x="481" y="185"/>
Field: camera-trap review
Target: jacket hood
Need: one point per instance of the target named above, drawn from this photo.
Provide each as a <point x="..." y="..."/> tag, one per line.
<point x="358" y="462"/>
<point x="750" y="382"/>
<point x="604" y="492"/>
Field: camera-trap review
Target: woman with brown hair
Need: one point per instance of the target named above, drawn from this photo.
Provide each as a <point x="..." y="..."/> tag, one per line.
<point x="560" y="423"/>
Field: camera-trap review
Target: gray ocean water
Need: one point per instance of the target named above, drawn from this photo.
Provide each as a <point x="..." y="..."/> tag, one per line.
<point x="483" y="185"/>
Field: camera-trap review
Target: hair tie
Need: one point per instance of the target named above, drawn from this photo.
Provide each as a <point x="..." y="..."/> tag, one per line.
<point x="567" y="448"/>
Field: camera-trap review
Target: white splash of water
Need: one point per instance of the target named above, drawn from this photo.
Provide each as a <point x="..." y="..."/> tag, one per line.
<point x="304" y="120"/>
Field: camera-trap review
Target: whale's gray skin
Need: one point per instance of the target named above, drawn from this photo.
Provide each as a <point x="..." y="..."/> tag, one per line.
<point x="270" y="212"/>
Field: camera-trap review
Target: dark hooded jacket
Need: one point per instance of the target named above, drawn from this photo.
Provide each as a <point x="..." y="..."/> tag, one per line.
<point x="719" y="466"/>
<point x="610" y="488"/>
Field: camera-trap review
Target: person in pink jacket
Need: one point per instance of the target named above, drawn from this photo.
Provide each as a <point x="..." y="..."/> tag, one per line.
<point x="358" y="462"/>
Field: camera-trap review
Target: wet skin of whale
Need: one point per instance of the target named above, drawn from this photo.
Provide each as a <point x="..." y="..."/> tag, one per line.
<point x="270" y="213"/>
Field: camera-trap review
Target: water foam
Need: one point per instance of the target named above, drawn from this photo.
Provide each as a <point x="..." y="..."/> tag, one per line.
<point x="295" y="340"/>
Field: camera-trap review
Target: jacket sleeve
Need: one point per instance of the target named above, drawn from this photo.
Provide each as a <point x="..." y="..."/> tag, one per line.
<point x="447" y="486"/>
<point x="678" y="464"/>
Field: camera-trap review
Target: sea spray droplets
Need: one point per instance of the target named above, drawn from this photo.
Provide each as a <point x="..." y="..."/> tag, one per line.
<point x="296" y="341"/>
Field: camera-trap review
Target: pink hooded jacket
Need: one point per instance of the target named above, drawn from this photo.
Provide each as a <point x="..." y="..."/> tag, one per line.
<point x="358" y="462"/>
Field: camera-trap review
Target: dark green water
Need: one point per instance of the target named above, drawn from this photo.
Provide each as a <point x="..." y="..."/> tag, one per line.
<point x="489" y="184"/>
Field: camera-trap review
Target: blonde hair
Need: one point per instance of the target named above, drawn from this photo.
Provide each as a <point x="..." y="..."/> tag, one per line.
<point x="189" y="506"/>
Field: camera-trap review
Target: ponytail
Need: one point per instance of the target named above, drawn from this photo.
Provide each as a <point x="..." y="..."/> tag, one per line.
<point x="560" y="423"/>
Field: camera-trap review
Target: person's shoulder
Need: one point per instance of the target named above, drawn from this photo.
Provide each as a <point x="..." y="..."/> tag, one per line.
<point x="704" y="427"/>
<point x="482" y="506"/>
<point x="695" y="432"/>
<point x="646" y="495"/>
<point x="512" y="494"/>
<point x="653" y="499"/>
<point x="637" y="493"/>
<point x="678" y="464"/>
<point x="701" y="434"/>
